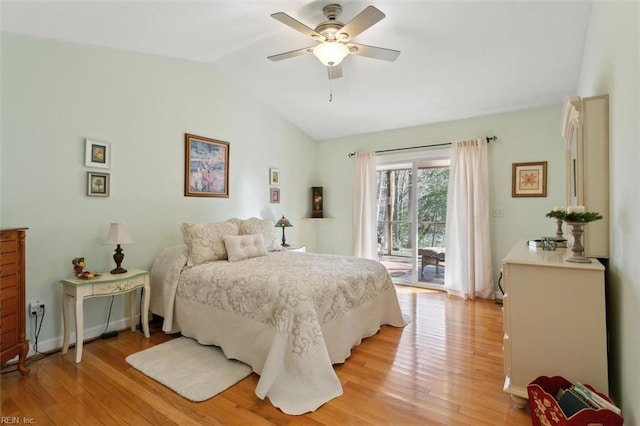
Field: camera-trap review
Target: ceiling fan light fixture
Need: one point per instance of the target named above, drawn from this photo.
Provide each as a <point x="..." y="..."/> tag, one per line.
<point x="331" y="53"/>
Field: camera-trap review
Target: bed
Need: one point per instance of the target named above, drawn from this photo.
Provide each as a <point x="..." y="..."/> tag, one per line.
<point x="289" y="315"/>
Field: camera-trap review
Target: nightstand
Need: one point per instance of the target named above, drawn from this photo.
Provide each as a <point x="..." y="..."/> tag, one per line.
<point x="104" y="285"/>
<point x="295" y="247"/>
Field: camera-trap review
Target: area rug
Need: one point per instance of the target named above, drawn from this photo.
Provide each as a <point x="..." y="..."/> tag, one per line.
<point x="396" y="269"/>
<point x="195" y="371"/>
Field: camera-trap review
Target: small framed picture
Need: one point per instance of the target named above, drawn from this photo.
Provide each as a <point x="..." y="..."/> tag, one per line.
<point x="275" y="195"/>
<point x="97" y="154"/>
<point x="206" y="167"/>
<point x="97" y="184"/>
<point x="529" y="179"/>
<point x="274" y="176"/>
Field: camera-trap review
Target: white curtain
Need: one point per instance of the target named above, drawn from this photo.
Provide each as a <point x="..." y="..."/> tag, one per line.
<point x="468" y="271"/>
<point x="365" y="243"/>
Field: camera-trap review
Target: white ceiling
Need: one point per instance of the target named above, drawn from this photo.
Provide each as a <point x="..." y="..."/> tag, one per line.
<point x="459" y="59"/>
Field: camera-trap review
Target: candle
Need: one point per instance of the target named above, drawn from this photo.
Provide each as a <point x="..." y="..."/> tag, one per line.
<point x="575" y="209"/>
<point x="558" y="209"/>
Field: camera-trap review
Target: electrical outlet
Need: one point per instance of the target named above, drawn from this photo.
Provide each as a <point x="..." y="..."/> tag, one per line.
<point x="497" y="212"/>
<point x="36" y="308"/>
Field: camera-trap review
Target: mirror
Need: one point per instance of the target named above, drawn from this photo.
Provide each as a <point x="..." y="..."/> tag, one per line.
<point x="585" y="130"/>
<point x="571" y="132"/>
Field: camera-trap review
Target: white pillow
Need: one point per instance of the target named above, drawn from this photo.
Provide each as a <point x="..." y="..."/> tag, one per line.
<point x="262" y="226"/>
<point x="205" y="240"/>
<point x="243" y="247"/>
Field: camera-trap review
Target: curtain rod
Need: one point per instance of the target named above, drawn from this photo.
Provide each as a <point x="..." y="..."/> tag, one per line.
<point x="489" y="139"/>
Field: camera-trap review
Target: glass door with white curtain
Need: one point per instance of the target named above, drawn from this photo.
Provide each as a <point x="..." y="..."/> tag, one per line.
<point x="412" y="207"/>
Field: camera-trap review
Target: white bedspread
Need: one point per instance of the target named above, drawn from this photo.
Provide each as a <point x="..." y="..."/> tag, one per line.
<point x="289" y="315"/>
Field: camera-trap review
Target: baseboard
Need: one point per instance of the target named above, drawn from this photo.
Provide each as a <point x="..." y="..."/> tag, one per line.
<point x="89" y="333"/>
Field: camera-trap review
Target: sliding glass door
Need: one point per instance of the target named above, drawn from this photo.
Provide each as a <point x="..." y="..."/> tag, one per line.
<point x="412" y="207"/>
<point x="432" y="212"/>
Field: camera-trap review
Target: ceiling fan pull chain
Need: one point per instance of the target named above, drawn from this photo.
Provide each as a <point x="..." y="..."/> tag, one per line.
<point x="330" y="88"/>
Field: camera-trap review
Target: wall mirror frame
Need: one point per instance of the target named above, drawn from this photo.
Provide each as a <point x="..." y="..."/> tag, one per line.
<point x="585" y="130"/>
<point x="572" y="134"/>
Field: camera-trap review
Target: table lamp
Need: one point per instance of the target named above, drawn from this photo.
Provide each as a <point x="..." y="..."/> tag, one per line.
<point x="118" y="234"/>
<point x="283" y="223"/>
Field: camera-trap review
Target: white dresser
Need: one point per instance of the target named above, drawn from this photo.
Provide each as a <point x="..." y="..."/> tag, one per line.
<point x="554" y="320"/>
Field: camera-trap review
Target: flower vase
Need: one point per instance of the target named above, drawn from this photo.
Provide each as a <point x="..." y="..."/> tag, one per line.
<point x="577" y="249"/>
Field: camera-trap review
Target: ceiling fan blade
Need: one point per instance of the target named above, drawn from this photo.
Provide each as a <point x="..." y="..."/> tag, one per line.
<point x="373" y="52"/>
<point x="291" y="54"/>
<point x="334" y="71"/>
<point x="364" y="20"/>
<point x="298" y="26"/>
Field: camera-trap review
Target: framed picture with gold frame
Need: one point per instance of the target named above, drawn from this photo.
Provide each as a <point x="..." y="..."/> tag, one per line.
<point x="206" y="167"/>
<point x="529" y="179"/>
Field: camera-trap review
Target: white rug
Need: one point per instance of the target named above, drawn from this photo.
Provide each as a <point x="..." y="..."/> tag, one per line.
<point x="396" y="269"/>
<point x="192" y="370"/>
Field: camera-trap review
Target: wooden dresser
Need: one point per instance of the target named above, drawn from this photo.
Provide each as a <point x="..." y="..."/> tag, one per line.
<point x="554" y="320"/>
<point x="12" y="297"/>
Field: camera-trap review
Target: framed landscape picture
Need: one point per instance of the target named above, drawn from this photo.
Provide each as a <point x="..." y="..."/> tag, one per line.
<point x="97" y="184"/>
<point x="97" y="154"/>
<point x="529" y="179"/>
<point x="206" y="168"/>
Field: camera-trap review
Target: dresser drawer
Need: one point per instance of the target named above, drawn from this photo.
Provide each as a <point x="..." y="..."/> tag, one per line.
<point x="8" y="279"/>
<point x="9" y="301"/>
<point x="8" y="246"/>
<point x="119" y="287"/>
<point x="9" y="320"/>
<point x="8" y="235"/>
<point x="9" y="333"/>
<point x="9" y="258"/>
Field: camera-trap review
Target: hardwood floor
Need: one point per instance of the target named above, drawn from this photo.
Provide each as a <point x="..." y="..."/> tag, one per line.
<point x="444" y="368"/>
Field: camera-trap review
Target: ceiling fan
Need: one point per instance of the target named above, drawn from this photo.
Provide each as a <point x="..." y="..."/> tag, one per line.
<point x="333" y="38"/>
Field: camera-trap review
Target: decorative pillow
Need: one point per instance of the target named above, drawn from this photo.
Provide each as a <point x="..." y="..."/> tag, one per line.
<point x="205" y="240"/>
<point x="262" y="226"/>
<point x="243" y="247"/>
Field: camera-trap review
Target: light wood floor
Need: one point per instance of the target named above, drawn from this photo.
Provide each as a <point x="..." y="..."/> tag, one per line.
<point x="445" y="367"/>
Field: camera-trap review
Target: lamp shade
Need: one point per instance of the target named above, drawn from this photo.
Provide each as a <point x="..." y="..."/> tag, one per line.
<point x="331" y="53"/>
<point x="283" y="223"/>
<point x="118" y="234"/>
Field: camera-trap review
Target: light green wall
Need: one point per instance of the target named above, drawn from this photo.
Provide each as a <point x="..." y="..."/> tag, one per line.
<point x="532" y="135"/>
<point x="611" y="64"/>
<point x="54" y="95"/>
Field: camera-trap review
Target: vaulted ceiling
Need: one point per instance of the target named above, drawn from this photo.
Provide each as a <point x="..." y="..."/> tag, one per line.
<point x="459" y="59"/>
